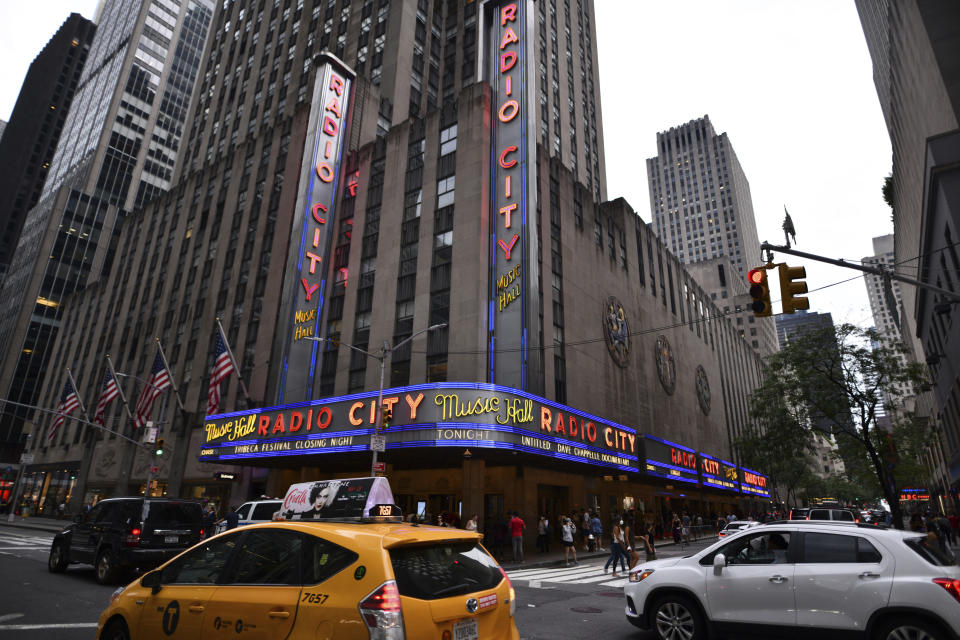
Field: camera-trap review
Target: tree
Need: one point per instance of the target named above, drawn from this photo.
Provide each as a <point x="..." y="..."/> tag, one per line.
<point x="837" y="379"/>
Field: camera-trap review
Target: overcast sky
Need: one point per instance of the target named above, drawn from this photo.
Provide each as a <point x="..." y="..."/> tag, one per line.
<point x="789" y="82"/>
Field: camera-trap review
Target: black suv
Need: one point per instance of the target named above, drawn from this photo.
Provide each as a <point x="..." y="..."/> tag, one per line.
<point x="122" y="534"/>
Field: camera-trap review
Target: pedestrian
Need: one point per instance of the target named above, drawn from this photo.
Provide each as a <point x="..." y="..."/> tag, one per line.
<point x="516" y="532"/>
<point x="231" y="519"/>
<point x="646" y="535"/>
<point x="209" y="521"/>
<point x="585" y="528"/>
<point x="685" y="527"/>
<point x="676" y="529"/>
<point x="617" y="551"/>
<point x="699" y="529"/>
<point x="472" y="523"/>
<point x="596" y="530"/>
<point x="567" y="532"/>
<point x="542" y="526"/>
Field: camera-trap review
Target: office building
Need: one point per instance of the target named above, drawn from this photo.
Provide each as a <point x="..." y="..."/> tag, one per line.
<point x="37" y="120"/>
<point x="913" y="46"/>
<point x="117" y="151"/>
<point x="544" y="351"/>
<point x="701" y="206"/>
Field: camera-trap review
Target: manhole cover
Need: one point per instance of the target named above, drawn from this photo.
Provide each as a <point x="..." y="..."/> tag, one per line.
<point x="611" y="594"/>
<point x="586" y="610"/>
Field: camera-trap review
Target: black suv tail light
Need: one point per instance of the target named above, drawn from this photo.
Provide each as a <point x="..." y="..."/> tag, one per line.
<point x="132" y="538"/>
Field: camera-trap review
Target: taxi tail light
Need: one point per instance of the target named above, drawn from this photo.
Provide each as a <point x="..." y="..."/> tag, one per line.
<point x="952" y="586"/>
<point x="513" y="594"/>
<point x="382" y="614"/>
<point x="133" y="538"/>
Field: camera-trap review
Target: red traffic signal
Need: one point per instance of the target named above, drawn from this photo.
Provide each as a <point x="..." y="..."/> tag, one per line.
<point x="760" y="292"/>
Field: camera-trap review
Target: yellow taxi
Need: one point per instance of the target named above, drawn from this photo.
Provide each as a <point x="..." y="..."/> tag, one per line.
<point x="339" y="565"/>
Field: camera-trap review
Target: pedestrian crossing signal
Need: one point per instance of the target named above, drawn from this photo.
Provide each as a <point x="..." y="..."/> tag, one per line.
<point x="791" y="284"/>
<point x="760" y="292"/>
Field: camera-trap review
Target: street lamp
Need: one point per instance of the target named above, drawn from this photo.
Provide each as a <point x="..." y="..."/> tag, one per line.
<point x="385" y="351"/>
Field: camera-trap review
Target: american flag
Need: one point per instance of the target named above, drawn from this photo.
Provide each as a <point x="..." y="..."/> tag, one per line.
<point x="69" y="400"/>
<point x="110" y="391"/>
<point x="222" y="367"/>
<point x="158" y="381"/>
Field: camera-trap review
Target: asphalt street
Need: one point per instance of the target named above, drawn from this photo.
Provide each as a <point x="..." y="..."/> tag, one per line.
<point x="554" y="602"/>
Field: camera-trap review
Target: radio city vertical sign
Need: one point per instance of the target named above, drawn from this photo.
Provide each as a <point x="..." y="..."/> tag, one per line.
<point x="311" y="235"/>
<point x="513" y="239"/>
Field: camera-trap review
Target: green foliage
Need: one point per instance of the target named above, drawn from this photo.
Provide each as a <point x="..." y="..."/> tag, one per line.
<point x="833" y="380"/>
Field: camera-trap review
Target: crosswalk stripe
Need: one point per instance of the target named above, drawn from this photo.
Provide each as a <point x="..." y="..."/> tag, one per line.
<point x="589" y="574"/>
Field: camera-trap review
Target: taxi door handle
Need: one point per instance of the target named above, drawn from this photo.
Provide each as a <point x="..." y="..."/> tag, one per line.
<point x="868" y="574"/>
<point x="778" y="579"/>
<point x="196" y="608"/>
<point x="278" y="614"/>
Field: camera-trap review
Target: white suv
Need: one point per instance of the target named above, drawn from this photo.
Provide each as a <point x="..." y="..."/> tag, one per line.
<point x="254" y="511"/>
<point x="805" y="576"/>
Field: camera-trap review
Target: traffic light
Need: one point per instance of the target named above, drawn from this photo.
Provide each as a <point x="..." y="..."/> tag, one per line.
<point x="791" y="283"/>
<point x="159" y="447"/>
<point x="760" y="292"/>
<point x="386" y="417"/>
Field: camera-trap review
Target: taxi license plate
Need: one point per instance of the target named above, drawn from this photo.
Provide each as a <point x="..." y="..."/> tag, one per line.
<point x="466" y="630"/>
<point x="171" y="539"/>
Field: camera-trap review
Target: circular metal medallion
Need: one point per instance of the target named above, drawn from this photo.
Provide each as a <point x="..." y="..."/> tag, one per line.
<point x="703" y="390"/>
<point x="615" y="331"/>
<point x="666" y="368"/>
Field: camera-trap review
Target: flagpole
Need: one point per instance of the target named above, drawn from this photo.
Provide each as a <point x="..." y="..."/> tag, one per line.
<point x="119" y="388"/>
<point x="73" y="383"/>
<point x="170" y="373"/>
<point x="236" y="367"/>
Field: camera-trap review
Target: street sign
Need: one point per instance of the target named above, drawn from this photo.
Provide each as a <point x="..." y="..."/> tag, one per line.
<point x="379" y="467"/>
<point x="27" y="458"/>
<point x="378" y="443"/>
<point x="154" y="469"/>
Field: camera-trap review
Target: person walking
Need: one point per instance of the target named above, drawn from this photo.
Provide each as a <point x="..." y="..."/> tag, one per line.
<point x="516" y="532"/>
<point x="617" y="552"/>
<point x="472" y="523"/>
<point x="209" y="521"/>
<point x="543" y="526"/>
<point x="567" y="531"/>
<point x="685" y="527"/>
<point x="646" y="539"/>
<point x="585" y="527"/>
<point x="596" y="530"/>
<point x="699" y="529"/>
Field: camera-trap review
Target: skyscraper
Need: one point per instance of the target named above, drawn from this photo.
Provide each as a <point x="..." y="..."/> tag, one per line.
<point x="35" y="126"/>
<point x="117" y="151"/>
<point x="701" y="206"/>
<point x="376" y="175"/>
<point x="885" y="297"/>
<point x="913" y="45"/>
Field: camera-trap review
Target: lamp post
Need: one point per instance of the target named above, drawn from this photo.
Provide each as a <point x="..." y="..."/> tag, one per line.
<point x="385" y="351"/>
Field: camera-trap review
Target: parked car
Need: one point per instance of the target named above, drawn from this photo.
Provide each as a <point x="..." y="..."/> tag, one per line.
<point x="737" y="525"/>
<point x="806" y="576"/>
<point x="799" y="513"/>
<point x="832" y="513"/>
<point x="124" y="534"/>
<point x="254" y="511"/>
<point x="362" y="574"/>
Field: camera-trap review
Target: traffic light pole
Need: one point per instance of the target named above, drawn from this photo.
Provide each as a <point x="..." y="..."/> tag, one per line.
<point x="877" y="271"/>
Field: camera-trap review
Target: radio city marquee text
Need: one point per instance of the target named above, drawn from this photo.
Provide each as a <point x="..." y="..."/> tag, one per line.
<point x="569" y="433"/>
<point x="508" y="283"/>
<point x="331" y="121"/>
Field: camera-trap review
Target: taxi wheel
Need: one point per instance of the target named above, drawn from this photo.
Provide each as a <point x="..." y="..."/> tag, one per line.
<point x="57" y="563"/>
<point x="676" y="618"/>
<point x="909" y="629"/>
<point x="105" y="569"/>
<point x="116" y="630"/>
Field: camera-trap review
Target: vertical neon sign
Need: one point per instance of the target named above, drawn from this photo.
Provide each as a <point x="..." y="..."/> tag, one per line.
<point x="312" y="231"/>
<point x="514" y="276"/>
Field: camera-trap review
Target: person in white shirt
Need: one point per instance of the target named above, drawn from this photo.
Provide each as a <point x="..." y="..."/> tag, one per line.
<point x="567" y="532"/>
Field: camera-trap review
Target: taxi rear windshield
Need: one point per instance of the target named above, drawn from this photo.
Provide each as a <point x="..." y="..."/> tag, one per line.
<point x="443" y="570"/>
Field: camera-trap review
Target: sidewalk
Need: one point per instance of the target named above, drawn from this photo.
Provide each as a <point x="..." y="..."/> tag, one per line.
<point x="556" y="556"/>
<point x="38" y="523"/>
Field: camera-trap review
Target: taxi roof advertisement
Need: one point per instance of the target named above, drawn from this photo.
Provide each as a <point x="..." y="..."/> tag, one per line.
<point x="347" y="498"/>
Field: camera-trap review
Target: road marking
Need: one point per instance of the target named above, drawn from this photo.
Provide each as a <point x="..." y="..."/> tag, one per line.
<point x="568" y="575"/>
<point x="44" y="548"/>
<point x="11" y="616"/>
<point x="31" y="627"/>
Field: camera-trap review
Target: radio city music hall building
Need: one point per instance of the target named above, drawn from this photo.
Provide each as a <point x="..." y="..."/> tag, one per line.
<point x="580" y="366"/>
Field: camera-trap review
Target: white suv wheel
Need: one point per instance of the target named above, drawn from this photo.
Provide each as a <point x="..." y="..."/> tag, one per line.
<point x="908" y="630"/>
<point x="676" y="620"/>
